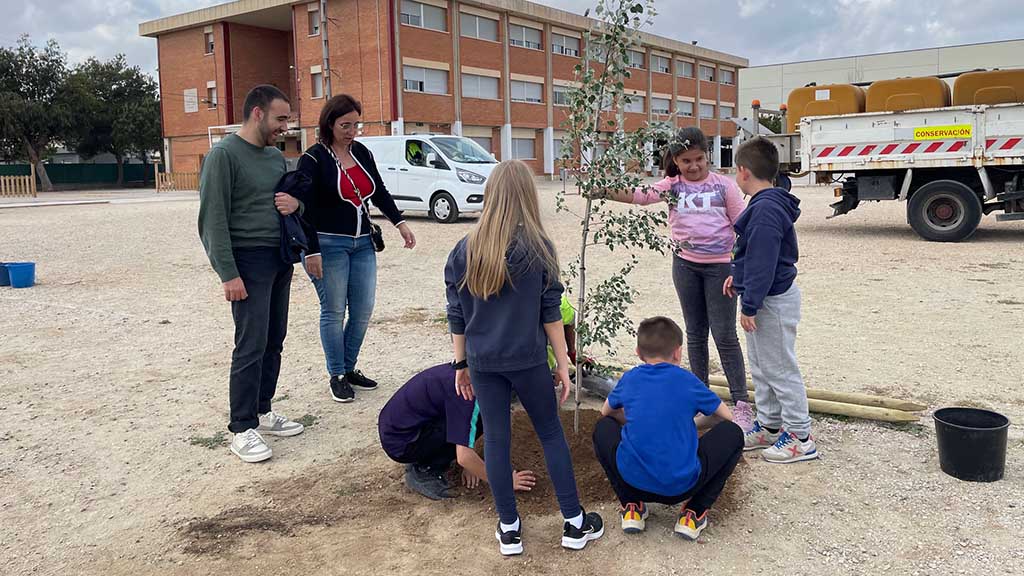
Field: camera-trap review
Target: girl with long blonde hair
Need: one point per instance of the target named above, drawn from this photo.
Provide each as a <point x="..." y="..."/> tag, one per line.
<point x="503" y="309"/>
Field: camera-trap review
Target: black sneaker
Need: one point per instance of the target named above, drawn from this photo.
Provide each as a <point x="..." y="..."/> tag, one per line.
<point x="426" y="482"/>
<point x="340" y="390"/>
<point x="576" y="538"/>
<point x="511" y="542"/>
<point x="357" y="379"/>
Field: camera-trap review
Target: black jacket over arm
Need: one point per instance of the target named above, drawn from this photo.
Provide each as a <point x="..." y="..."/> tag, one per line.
<point x="325" y="207"/>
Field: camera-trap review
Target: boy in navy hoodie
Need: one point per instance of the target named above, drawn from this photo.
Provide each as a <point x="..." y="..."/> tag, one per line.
<point x="763" y="271"/>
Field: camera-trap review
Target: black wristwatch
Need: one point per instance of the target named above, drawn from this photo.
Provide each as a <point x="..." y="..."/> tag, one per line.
<point x="460" y="365"/>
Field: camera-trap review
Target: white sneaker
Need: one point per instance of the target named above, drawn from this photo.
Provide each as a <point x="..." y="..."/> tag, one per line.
<point x="788" y="449"/>
<point x="250" y="447"/>
<point x="275" y="424"/>
<point x="759" y="437"/>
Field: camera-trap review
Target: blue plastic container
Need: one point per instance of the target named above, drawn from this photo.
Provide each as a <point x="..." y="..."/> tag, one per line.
<point x="22" y="274"/>
<point x="5" y="279"/>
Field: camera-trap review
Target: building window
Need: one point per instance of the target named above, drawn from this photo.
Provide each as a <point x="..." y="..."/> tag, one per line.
<point x="660" y="64"/>
<point x="473" y="26"/>
<point x="707" y="73"/>
<point x="314" y="21"/>
<point x="727" y="77"/>
<point x="424" y="16"/>
<point x="635" y="104"/>
<point x="707" y="110"/>
<point x="566" y="45"/>
<point x="208" y="42"/>
<point x="636" y="59"/>
<point x="523" y="149"/>
<point x="726" y="112"/>
<point x="557" y="148"/>
<point x="425" y="80"/>
<point x="483" y="141"/>
<point x="684" y="108"/>
<point x="524" y="37"/>
<point x="316" y="85"/>
<point x="661" y="106"/>
<point x="474" y="86"/>
<point x="560" y="96"/>
<point x="191" y="96"/>
<point x="211" y="96"/>
<point x="527" y="92"/>
<point x="684" y="69"/>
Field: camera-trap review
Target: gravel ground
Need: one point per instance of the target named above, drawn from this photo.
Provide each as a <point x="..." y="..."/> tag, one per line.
<point x="114" y="371"/>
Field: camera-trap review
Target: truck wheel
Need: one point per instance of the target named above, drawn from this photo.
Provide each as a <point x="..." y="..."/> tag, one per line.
<point x="944" y="211"/>
<point x="443" y="208"/>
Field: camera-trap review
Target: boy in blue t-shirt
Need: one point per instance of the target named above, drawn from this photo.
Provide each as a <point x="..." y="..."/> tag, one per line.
<point x="647" y="441"/>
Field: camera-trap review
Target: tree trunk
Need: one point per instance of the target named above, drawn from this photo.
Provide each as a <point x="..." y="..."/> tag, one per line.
<point x="120" y="170"/>
<point x="34" y="158"/>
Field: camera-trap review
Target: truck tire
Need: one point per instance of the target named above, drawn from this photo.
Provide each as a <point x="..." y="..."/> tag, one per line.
<point x="443" y="208"/>
<point x="944" y="211"/>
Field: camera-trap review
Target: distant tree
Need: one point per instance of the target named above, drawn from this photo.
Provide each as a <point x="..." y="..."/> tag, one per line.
<point x="35" y="110"/>
<point x="120" y="110"/>
<point x="773" y="123"/>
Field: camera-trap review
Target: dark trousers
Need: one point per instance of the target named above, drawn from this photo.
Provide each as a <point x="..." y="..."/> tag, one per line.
<point x="699" y="287"/>
<point x="718" y="450"/>
<point x="537" y="395"/>
<point x="431" y="448"/>
<point x="261" y="322"/>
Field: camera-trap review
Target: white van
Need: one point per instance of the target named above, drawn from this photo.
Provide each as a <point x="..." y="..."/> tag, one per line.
<point x="443" y="175"/>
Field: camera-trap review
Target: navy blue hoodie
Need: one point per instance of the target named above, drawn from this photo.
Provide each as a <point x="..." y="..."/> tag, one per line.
<point x="504" y="333"/>
<point x="764" y="260"/>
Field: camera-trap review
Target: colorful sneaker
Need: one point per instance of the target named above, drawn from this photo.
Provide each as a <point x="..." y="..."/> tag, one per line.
<point x="690" y="525"/>
<point x="788" y="449"/>
<point x="275" y="424"/>
<point x="250" y="446"/>
<point x="576" y="538"/>
<point x="759" y="438"/>
<point x="341" y="391"/>
<point x="510" y="543"/>
<point x="359" y="380"/>
<point x="633" y="518"/>
<point x="743" y="416"/>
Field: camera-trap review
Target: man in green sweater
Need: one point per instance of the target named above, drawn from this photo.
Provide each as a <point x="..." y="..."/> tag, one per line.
<point x="241" y="231"/>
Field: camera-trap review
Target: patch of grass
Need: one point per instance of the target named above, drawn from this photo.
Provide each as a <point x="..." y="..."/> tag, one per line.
<point x="308" y="420"/>
<point x="282" y="397"/>
<point x="218" y="440"/>
<point x="1011" y="302"/>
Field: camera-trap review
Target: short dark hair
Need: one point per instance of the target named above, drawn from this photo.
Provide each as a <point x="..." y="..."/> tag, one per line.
<point x="336" y="107"/>
<point x="759" y="156"/>
<point x="685" y="139"/>
<point x="658" y="337"/>
<point x="260" y="97"/>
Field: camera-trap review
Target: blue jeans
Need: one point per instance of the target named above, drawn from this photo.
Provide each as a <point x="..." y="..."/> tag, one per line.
<point x="350" y="281"/>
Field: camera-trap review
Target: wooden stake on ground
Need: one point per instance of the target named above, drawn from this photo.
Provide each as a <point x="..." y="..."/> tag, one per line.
<point x="843" y="409"/>
<point x="842" y="397"/>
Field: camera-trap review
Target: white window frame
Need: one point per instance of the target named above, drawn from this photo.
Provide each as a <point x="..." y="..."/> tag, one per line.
<point x="633" y="61"/>
<point x="666" y="108"/>
<point x="702" y="109"/>
<point x="722" y="77"/>
<point x="661" y="64"/>
<point x="515" y="149"/>
<point x="521" y="41"/>
<point x="476" y="26"/>
<point x="702" y="69"/>
<point x="211" y="97"/>
<point x="556" y="91"/>
<point x="413" y="13"/>
<point x="316" y="85"/>
<point x="411" y="83"/>
<point x="634" y="101"/>
<point x="558" y="46"/>
<point x="476" y="79"/>
<point x="680" y="112"/>
<point x="681" y="66"/>
<point x="521" y="87"/>
<point x="208" y="43"/>
<point x="313" y="19"/>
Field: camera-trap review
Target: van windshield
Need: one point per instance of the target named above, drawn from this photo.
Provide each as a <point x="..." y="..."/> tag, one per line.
<point x="463" y="150"/>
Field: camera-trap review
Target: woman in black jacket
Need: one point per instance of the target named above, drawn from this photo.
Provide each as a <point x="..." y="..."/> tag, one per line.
<point x="345" y="270"/>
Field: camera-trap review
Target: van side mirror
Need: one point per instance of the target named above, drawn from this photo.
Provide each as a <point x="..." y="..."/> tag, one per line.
<point x="432" y="159"/>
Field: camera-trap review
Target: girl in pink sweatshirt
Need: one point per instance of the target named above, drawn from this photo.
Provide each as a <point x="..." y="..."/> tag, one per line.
<point x="702" y="206"/>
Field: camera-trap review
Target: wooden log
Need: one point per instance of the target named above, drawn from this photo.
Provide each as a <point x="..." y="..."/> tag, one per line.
<point x="843" y="409"/>
<point x="842" y="397"/>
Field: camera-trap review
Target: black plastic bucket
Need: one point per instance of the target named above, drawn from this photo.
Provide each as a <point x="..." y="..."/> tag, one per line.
<point x="972" y="443"/>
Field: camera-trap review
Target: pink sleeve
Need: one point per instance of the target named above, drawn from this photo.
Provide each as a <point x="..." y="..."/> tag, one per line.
<point x="644" y="195"/>
<point x="734" y="203"/>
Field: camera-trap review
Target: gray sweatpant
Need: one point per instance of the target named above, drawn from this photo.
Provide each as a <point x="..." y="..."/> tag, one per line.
<point x="771" y="350"/>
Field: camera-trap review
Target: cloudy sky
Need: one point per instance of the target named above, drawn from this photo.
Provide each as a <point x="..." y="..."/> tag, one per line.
<point x="765" y="31"/>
